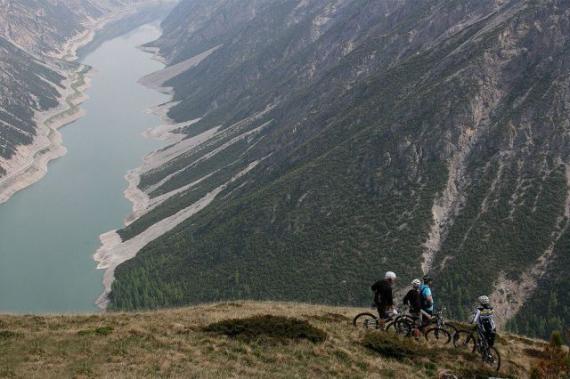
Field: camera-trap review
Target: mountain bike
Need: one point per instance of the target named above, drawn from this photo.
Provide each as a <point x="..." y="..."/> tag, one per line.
<point x="442" y="332"/>
<point x="475" y="341"/>
<point x="400" y="324"/>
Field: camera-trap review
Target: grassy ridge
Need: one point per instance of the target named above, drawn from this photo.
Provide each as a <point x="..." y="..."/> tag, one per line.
<point x="314" y="341"/>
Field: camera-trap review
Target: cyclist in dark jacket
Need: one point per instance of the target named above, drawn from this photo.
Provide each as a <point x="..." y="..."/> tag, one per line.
<point x="383" y="296"/>
<point x="413" y="298"/>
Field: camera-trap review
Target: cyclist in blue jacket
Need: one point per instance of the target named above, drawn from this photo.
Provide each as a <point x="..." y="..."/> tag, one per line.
<point x="426" y="295"/>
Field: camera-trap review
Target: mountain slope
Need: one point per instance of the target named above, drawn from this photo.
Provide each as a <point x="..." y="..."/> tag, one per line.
<point x="175" y="344"/>
<point x="318" y="144"/>
<point x="28" y="86"/>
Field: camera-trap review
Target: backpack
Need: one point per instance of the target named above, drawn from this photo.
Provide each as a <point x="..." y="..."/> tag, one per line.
<point x="487" y="319"/>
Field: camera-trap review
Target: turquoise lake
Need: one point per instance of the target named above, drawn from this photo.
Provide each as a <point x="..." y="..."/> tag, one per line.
<point x="49" y="231"/>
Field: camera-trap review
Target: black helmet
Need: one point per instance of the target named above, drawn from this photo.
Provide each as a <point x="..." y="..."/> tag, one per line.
<point x="427" y="278"/>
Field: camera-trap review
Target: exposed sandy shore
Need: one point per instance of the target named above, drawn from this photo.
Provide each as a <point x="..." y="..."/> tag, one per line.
<point x="30" y="161"/>
<point x="114" y="251"/>
<point x="156" y="80"/>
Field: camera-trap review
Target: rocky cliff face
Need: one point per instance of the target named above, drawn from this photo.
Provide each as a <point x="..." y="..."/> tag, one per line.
<point x="317" y="144"/>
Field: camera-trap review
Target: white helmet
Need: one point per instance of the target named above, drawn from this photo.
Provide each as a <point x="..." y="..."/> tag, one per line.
<point x="416" y="283"/>
<point x="390" y="275"/>
<point x="484" y="300"/>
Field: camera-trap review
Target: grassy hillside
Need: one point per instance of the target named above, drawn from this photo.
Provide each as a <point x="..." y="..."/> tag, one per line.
<point x="188" y="343"/>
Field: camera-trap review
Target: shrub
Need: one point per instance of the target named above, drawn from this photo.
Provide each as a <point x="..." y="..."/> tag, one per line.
<point x="556" y="339"/>
<point x="329" y="317"/>
<point x="392" y="347"/>
<point x="5" y="334"/>
<point x="101" y="331"/>
<point x="460" y="364"/>
<point x="273" y="327"/>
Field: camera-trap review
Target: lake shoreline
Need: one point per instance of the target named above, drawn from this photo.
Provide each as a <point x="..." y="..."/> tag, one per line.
<point x="30" y="163"/>
<point x="48" y="144"/>
<point x="113" y="251"/>
<point x="107" y="255"/>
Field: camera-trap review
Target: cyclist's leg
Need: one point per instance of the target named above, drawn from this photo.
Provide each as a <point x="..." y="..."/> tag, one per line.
<point x="491" y="335"/>
<point x="417" y="323"/>
<point x="382" y="313"/>
<point x="425" y="318"/>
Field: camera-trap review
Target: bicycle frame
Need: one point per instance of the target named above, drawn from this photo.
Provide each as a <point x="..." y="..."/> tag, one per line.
<point x="481" y="341"/>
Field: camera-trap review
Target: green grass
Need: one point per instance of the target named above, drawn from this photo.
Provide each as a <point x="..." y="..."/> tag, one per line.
<point x="240" y="339"/>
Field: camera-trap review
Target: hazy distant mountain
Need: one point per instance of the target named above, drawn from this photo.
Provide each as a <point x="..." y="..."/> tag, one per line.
<point x="45" y="25"/>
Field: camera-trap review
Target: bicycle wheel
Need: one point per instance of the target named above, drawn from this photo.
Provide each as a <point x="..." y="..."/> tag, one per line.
<point x="464" y="340"/>
<point x="437" y="336"/>
<point x="451" y="329"/>
<point x="365" y="320"/>
<point x="394" y="326"/>
<point x="492" y="359"/>
<point x="391" y="327"/>
<point x="402" y="327"/>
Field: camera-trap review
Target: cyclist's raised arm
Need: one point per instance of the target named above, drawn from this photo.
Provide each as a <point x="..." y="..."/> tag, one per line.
<point x="476" y="315"/>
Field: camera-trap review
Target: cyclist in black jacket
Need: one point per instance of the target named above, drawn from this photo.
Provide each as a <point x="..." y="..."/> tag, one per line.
<point x="413" y="298"/>
<point x="383" y="296"/>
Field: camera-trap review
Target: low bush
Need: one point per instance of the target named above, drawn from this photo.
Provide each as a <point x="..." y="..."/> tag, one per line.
<point x="329" y="317"/>
<point x="394" y="347"/>
<point x="273" y="327"/>
<point x="102" y="331"/>
<point x="5" y="334"/>
<point x="459" y="363"/>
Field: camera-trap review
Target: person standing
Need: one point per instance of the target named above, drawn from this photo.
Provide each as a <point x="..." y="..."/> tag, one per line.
<point x="413" y="298"/>
<point x="426" y="295"/>
<point x="414" y="301"/>
<point x="383" y="295"/>
<point x="484" y="318"/>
